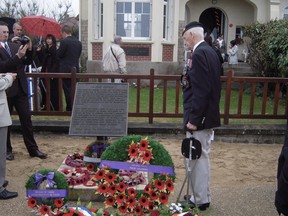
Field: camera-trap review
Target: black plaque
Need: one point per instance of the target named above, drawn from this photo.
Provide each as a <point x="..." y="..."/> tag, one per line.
<point x="135" y="51"/>
<point x="100" y="109"/>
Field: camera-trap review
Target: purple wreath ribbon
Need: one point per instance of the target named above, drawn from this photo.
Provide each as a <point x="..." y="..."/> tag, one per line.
<point x="137" y="167"/>
<point x="40" y="178"/>
<point x="59" y="193"/>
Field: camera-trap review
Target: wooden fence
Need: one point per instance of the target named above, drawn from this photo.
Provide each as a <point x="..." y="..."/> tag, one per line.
<point x="259" y="87"/>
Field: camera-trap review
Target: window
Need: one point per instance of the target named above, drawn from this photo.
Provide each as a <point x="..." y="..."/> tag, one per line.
<point x="285" y="15"/>
<point x="167" y="19"/>
<point x="133" y="19"/>
<point x="98" y="19"/>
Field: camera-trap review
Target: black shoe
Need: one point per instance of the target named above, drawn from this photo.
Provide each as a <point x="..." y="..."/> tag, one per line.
<point x="192" y="205"/>
<point x="9" y="156"/>
<point x="5" y="194"/>
<point x="5" y="183"/>
<point x="38" y="153"/>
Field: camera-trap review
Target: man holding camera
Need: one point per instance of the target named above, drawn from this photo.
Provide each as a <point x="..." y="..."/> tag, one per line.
<point x="17" y="94"/>
<point x="17" y="33"/>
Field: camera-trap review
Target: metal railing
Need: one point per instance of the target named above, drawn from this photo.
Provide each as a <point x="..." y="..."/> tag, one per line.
<point x="262" y="86"/>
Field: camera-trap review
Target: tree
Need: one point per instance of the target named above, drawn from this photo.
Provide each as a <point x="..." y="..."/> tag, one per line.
<point x="268" y="50"/>
<point x="19" y="8"/>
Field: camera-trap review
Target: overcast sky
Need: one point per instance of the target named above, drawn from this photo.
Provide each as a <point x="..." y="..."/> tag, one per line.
<point x="52" y="5"/>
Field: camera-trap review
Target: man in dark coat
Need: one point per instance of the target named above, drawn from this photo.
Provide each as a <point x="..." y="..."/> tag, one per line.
<point x="281" y="198"/>
<point x="68" y="54"/>
<point x="17" y="94"/>
<point x="201" y="96"/>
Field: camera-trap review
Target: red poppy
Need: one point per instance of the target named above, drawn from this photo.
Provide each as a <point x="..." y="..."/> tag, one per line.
<point x="151" y="206"/>
<point x="93" y="210"/>
<point x="132" y="192"/>
<point x="138" y="210"/>
<point x="100" y="174"/>
<point x="147" y="188"/>
<point x="88" y="148"/>
<point x="155" y="213"/>
<point x="153" y="195"/>
<point x="59" y="203"/>
<point x="143" y="144"/>
<point x="120" y="198"/>
<point x="133" y="151"/>
<point x="131" y="202"/>
<point x="143" y="201"/>
<point x="32" y="202"/>
<point x="91" y="167"/>
<point x="112" y="189"/>
<point x="163" y="198"/>
<point x="147" y="155"/>
<point x="110" y="177"/>
<point x="45" y="210"/>
<point x="110" y="201"/>
<point x="123" y="208"/>
<point x="103" y="188"/>
<point x="159" y="184"/>
<point x="106" y="213"/>
<point x="122" y="187"/>
<point x="169" y="185"/>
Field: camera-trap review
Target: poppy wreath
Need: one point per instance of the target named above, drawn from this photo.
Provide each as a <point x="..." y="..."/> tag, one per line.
<point x="92" y="154"/>
<point x="127" y="200"/>
<point x="46" y="201"/>
<point x="75" y="160"/>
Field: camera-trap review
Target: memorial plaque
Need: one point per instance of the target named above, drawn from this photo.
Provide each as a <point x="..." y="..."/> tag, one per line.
<point x="136" y="51"/>
<point x="100" y="109"/>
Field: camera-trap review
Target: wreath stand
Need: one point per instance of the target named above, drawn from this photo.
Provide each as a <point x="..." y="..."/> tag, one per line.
<point x="191" y="150"/>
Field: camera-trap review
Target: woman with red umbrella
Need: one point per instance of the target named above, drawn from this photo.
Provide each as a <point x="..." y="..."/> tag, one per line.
<point x="50" y="63"/>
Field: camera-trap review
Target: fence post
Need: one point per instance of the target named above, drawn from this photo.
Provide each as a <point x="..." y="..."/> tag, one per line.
<point x="151" y="96"/>
<point x="227" y="97"/>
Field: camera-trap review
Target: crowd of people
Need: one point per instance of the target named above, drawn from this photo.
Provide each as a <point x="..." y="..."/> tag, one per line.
<point x="16" y="53"/>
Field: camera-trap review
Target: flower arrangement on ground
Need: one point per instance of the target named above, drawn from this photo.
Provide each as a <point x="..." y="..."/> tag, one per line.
<point x="146" y="153"/>
<point x="92" y="154"/>
<point x="46" y="192"/>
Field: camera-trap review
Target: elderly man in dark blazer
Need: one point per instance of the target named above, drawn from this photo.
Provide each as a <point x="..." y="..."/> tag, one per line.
<point x="201" y="96"/>
<point x="68" y="54"/>
<point x="6" y="80"/>
<point x="17" y="94"/>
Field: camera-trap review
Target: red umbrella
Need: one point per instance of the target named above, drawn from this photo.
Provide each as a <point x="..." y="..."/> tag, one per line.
<point x="41" y="26"/>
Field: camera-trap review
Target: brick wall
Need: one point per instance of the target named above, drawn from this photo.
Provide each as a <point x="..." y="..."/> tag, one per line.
<point x="97" y="51"/>
<point x="167" y="53"/>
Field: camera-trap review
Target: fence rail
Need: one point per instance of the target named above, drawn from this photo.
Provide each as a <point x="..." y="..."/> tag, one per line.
<point x="259" y="87"/>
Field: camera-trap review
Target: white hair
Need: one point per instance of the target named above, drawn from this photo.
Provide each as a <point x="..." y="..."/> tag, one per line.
<point x="199" y="31"/>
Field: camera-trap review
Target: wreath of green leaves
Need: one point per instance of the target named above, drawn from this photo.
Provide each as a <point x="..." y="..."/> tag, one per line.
<point x="118" y="151"/>
<point x="59" y="179"/>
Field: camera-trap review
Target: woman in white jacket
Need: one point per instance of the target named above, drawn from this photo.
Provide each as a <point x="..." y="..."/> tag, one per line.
<point x="233" y="53"/>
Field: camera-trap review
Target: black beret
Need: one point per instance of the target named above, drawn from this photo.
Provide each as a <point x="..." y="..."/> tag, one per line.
<point x="192" y="25"/>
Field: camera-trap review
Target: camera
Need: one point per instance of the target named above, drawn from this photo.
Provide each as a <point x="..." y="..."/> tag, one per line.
<point x="23" y="40"/>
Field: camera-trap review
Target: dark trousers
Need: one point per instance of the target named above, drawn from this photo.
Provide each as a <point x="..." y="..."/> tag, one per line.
<point x="21" y="104"/>
<point x="54" y="94"/>
<point x="67" y="91"/>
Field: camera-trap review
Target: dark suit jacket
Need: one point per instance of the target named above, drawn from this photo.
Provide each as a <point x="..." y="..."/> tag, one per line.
<point x="201" y="98"/>
<point x="20" y="84"/>
<point x="69" y="53"/>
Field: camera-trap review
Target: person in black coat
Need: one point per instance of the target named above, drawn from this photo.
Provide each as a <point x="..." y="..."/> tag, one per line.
<point x="201" y="97"/>
<point x="68" y="54"/>
<point x="17" y="94"/>
<point x="50" y="64"/>
<point x="281" y="196"/>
